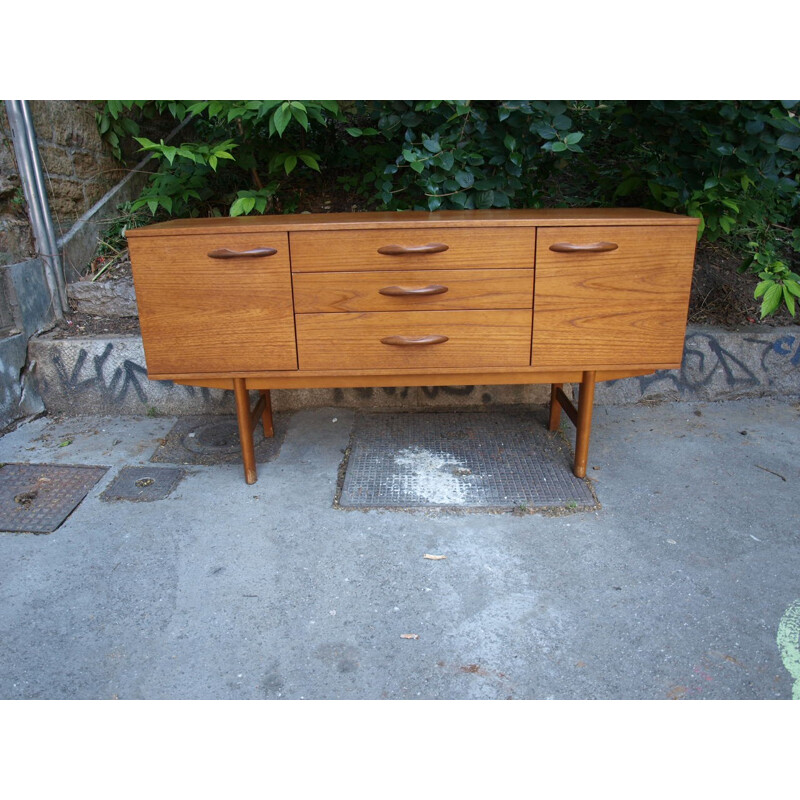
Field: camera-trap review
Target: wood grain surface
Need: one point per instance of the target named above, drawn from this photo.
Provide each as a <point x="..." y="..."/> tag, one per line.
<point x="353" y="340"/>
<point x="360" y="220"/>
<point x="625" y="307"/>
<point x="345" y="251"/>
<point x="207" y="315"/>
<point x="360" y="291"/>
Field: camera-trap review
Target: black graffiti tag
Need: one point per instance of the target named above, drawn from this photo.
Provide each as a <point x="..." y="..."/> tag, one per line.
<point x="114" y="389"/>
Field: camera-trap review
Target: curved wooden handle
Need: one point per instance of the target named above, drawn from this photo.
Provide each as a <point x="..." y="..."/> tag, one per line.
<point x="403" y="291"/>
<point x="258" y="252"/>
<point x="595" y="247"/>
<point x="405" y="341"/>
<point x="403" y="249"/>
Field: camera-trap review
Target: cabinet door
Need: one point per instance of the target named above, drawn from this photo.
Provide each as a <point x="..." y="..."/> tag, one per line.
<point x="230" y="311"/>
<point x="622" y="303"/>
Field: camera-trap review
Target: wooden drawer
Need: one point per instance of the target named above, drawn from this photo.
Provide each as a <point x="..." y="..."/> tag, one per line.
<point x="615" y="307"/>
<point x="352" y="341"/>
<point x="413" y="291"/>
<point x="214" y="315"/>
<point x="343" y="251"/>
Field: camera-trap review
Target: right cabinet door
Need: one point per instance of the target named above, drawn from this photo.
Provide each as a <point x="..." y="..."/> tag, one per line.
<point x="612" y="296"/>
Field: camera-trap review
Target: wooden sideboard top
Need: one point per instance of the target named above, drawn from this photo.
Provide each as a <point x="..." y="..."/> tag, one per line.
<point x="540" y="217"/>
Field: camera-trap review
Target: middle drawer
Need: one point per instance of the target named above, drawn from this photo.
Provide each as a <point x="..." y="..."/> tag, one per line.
<point x="415" y="290"/>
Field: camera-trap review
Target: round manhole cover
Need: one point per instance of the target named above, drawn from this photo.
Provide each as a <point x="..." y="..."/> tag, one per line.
<point x="219" y="436"/>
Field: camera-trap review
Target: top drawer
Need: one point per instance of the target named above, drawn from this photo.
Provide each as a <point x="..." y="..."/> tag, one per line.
<point x="412" y="248"/>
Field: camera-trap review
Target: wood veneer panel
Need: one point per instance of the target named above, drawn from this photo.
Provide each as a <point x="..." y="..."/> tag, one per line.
<point x="410" y="219"/>
<point x="353" y="340"/>
<point x="453" y="376"/>
<point x="206" y="315"/>
<point x="345" y="250"/>
<point x="627" y="306"/>
<point x="360" y="291"/>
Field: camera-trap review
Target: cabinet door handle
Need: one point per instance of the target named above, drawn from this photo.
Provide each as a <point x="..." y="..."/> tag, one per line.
<point x="595" y="247"/>
<point x="402" y="291"/>
<point x="258" y="252"/>
<point x="405" y="341"/>
<point x="403" y="249"/>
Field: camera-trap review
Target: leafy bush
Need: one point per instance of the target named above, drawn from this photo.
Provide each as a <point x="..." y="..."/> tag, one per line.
<point x="733" y="164"/>
<point x="250" y="138"/>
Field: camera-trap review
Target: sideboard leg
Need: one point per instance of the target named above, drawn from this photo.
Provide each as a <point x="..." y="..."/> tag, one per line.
<point x="584" y="424"/>
<point x="244" y="419"/>
<point x="555" y="407"/>
<point x="266" y="414"/>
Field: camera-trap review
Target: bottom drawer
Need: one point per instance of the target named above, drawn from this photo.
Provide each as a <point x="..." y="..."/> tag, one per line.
<point x="414" y="340"/>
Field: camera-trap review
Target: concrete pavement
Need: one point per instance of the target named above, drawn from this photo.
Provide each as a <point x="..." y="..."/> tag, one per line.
<point x="683" y="585"/>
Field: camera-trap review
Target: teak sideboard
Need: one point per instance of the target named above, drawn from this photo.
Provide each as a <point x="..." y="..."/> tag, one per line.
<point x="414" y="299"/>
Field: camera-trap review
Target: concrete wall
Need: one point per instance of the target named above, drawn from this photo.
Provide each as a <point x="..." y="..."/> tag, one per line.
<point x="108" y="376"/>
<point x="25" y="288"/>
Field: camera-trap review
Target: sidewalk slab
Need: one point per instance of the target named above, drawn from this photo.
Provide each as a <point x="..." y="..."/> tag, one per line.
<point x="674" y="588"/>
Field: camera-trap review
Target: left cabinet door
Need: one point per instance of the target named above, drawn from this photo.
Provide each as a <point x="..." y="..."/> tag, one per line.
<point x="214" y="304"/>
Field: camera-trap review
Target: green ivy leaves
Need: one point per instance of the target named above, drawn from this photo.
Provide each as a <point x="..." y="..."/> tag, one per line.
<point x="778" y="284"/>
<point x="234" y="133"/>
<point x="467" y="154"/>
<point x="253" y="200"/>
<point x="735" y="165"/>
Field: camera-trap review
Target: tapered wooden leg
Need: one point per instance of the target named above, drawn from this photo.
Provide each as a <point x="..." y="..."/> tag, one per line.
<point x="245" y="429"/>
<point x="555" y="407"/>
<point x="266" y="414"/>
<point x="584" y="424"/>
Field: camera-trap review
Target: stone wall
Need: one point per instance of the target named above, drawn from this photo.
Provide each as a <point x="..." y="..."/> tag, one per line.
<point x="16" y="242"/>
<point x="79" y="169"/>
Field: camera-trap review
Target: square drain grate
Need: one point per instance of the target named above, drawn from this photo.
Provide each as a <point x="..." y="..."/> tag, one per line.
<point x="37" y="498"/>
<point x="505" y="458"/>
<point x="143" y="484"/>
<point x="214" y="439"/>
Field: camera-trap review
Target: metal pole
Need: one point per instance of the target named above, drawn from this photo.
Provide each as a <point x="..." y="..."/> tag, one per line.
<point x="41" y="191"/>
<point x="30" y="173"/>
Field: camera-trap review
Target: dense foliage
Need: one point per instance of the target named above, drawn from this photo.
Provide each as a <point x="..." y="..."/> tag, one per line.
<point x="733" y="164"/>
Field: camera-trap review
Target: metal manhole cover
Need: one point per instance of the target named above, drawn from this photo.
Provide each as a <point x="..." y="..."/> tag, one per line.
<point x="37" y="498"/>
<point x="213" y="440"/>
<point x="143" y="484"/>
<point x="504" y="458"/>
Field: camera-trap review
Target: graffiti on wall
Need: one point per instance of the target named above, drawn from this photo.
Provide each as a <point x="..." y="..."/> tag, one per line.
<point x="706" y="360"/>
<point x="401" y="392"/>
<point x="113" y="381"/>
<point x="118" y="381"/>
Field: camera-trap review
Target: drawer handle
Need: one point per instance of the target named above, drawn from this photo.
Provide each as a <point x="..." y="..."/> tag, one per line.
<point x="405" y="341"/>
<point x="258" y="252"/>
<point x="402" y="291"/>
<point x="402" y="249"/>
<point x="596" y="247"/>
